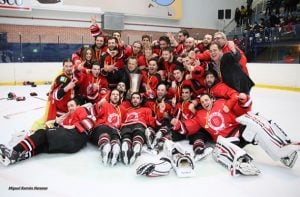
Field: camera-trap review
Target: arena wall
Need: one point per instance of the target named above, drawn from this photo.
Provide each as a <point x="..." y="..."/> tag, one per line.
<point x="278" y="76"/>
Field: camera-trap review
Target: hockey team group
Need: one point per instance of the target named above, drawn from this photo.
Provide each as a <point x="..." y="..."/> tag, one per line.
<point x="143" y="98"/>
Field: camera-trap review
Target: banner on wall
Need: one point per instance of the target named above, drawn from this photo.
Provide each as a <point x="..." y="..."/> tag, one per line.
<point x="19" y="5"/>
<point x="166" y="9"/>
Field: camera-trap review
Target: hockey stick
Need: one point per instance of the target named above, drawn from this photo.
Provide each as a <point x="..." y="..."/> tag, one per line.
<point x="145" y="149"/>
<point x="42" y="99"/>
<point x="8" y="116"/>
<point x="206" y="152"/>
<point x="3" y="98"/>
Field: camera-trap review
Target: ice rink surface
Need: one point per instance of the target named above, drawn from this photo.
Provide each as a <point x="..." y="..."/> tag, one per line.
<point x="82" y="174"/>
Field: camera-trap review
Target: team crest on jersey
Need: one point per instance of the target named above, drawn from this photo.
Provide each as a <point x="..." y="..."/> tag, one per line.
<point x="90" y="89"/>
<point x="114" y="119"/>
<point x="133" y="116"/>
<point x="216" y="121"/>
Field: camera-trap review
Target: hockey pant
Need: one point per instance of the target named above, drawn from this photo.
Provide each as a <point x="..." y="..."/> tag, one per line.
<point x="62" y="140"/>
<point x="102" y="134"/>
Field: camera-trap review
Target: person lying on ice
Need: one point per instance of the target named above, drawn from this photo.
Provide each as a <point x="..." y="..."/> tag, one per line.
<point x="69" y="136"/>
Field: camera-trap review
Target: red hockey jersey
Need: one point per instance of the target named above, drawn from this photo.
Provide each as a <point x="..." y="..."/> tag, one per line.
<point x="109" y="115"/>
<point x="216" y="122"/>
<point x="80" y="119"/>
<point x="142" y="115"/>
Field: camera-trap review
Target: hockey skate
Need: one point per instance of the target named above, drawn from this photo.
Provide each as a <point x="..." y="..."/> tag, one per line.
<point x="149" y="133"/>
<point x="182" y="161"/>
<point x="126" y="153"/>
<point x="10" y="156"/>
<point x="114" y="154"/>
<point x="105" y="150"/>
<point x="137" y="148"/>
<point x="245" y="167"/>
<point x="156" y="140"/>
<point x="163" y="131"/>
<point x="290" y="160"/>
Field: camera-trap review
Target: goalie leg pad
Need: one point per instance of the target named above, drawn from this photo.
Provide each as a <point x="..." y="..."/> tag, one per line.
<point x="268" y="135"/>
<point x="235" y="159"/>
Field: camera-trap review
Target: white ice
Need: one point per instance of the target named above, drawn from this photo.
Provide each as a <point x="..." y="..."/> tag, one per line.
<point x="82" y="174"/>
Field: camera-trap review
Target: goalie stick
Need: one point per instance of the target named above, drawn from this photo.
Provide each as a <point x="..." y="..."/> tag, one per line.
<point x="205" y="153"/>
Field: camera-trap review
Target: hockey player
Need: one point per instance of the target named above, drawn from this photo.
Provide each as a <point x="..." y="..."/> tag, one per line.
<point x="106" y="134"/>
<point x="61" y="91"/>
<point x="162" y="110"/>
<point x="256" y="130"/>
<point x="174" y="90"/>
<point x="168" y="64"/>
<point x="92" y="85"/>
<point x="220" y="90"/>
<point x="69" y="137"/>
<point x="136" y="120"/>
<point x="113" y="63"/>
<point x="150" y="79"/>
<point x="184" y="109"/>
<point x="210" y="122"/>
<point x="240" y="103"/>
